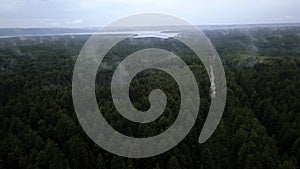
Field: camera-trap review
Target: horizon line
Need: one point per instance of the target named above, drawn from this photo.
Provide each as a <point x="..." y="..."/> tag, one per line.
<point x="97" y="27"/>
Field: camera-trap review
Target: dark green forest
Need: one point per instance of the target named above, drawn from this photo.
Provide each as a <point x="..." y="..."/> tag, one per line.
<point x="260" y="127"/>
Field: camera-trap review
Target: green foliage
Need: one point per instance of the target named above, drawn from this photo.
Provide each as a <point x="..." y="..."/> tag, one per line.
<point x="173" y="163"/>
<point x="260" y="127"/>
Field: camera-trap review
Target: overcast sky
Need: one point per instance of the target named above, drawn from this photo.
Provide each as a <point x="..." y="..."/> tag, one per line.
<point x="97" y="13"/>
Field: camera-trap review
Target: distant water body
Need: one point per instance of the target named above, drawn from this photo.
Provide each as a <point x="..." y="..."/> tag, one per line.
<point x="132" y="34"/>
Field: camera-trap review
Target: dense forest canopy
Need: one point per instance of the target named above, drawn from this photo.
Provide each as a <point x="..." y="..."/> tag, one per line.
<point x="260" y="127"/>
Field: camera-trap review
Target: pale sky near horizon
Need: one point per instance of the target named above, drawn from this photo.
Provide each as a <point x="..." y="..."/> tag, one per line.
<point x="98" y="13"/>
